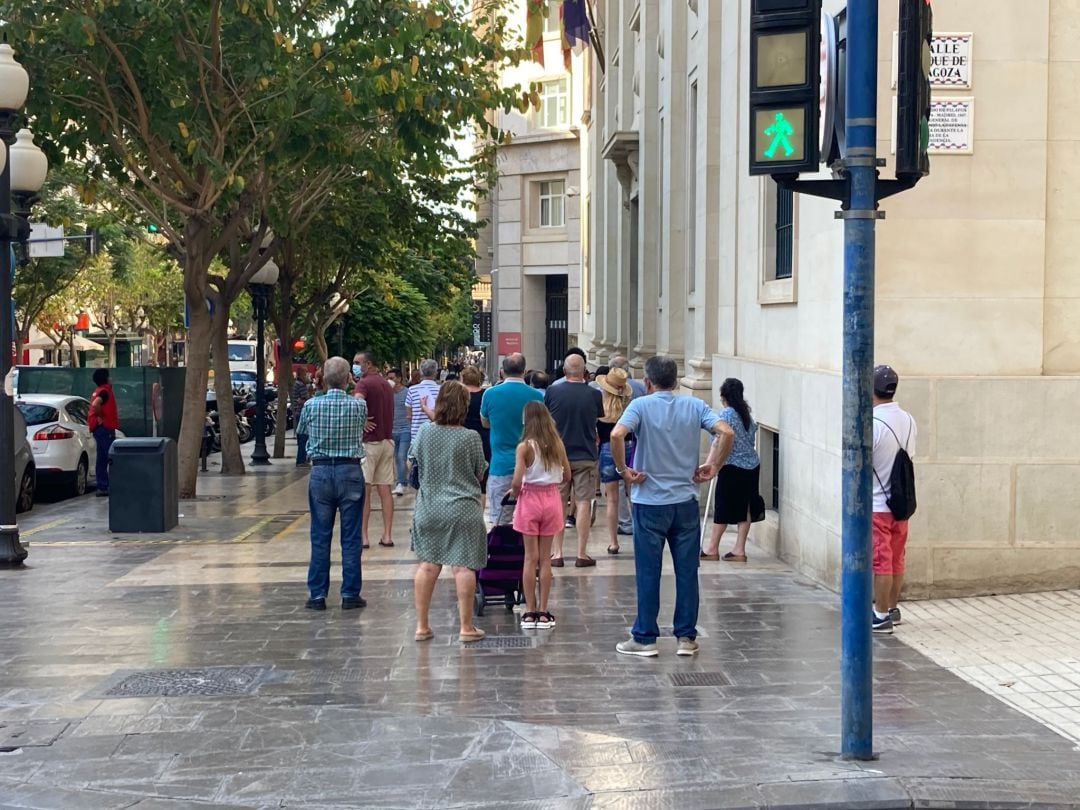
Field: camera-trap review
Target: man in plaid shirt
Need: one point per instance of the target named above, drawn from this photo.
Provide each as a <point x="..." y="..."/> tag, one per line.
<point x="334" y="425"/>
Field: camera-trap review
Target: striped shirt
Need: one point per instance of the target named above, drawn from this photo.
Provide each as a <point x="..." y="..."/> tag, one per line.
<point x="334" y="424"/>
<point x="424" y="388"/>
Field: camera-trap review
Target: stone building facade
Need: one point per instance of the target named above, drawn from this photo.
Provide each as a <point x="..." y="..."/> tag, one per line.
<point x="978" y="301"/>
<point x="531" y="250"/>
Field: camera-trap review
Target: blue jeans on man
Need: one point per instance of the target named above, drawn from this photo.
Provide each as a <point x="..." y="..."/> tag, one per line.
<point x="335" y="488"/>
<point x="402" y="442"/>
<point x="677" y="525"/>
<point x="104" y="439"/>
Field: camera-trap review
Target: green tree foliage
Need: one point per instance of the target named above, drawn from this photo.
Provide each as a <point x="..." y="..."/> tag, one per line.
<point x="392" y="319"/>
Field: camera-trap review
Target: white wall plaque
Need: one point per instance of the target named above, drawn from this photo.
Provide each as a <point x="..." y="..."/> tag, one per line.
<point x="952" y="126"/>
<point x="951" y="61"/>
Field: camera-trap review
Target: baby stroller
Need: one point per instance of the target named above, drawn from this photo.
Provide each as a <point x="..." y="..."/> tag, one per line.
<point x="500" y="580"/>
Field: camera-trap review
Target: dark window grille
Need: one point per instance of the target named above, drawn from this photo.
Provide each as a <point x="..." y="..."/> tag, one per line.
<point x="776" y="471"/>
<point x="785" y="232"/>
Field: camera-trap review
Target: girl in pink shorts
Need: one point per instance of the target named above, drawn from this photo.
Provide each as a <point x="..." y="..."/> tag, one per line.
<point x="540" y="468"/>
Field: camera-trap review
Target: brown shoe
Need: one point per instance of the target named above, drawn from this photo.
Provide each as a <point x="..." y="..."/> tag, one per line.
<point x="584" y="562"/>
<point x="557" y="562"/>
<point x="735" y="558"/>
<point x="710" y="557"/>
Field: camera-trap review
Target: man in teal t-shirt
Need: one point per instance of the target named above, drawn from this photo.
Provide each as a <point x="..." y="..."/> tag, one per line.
<point x="501" y="411"/>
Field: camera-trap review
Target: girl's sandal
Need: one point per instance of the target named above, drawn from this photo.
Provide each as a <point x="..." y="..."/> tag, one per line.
<point x="733" y="557"/>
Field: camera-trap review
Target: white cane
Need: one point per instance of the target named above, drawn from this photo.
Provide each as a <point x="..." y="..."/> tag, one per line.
<point x="708" y="506"/>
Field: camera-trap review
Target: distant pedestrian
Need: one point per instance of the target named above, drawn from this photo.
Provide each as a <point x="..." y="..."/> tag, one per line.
<point x="402" y="430"/>
<point x="738" y="482"/>
<point x="637" y="387"/>
<point x="664" y="488"/>
<point x="601" y="371"/>
<point x="334" y="424"/>
<point x="414" y="377"/>
<point x="573" y="351"/>
<point x="103" y="421"/>
<point x="473" y="379"/>
<point x="422" y="394"/>
<point x="448" y="523"/>
<point x="894" y="430"/>
<point x="378" y="444"/>
<point x="576" y="408"/>
<point x="540" y="467"/>
<point x="501" y="410"/>
<point x="616" y="396"/>
<point x="299" y="395"/>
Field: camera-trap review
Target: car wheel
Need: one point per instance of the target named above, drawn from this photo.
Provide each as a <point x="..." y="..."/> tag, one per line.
<point x="24" y="501"/>
<point x="78" y="483"/>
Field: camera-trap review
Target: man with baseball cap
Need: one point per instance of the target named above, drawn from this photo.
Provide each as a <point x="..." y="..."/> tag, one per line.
<point x="894" y="429"/>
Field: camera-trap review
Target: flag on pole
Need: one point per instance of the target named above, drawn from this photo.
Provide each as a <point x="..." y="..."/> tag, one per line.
<point x="575" y="21"/>
<point x="535" y="15"/>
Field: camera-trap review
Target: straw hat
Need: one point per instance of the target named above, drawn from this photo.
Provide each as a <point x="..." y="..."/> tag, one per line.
<point x="614" y="382"/>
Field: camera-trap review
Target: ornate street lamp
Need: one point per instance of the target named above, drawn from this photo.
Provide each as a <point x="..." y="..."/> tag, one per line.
<point x="261" y="288"/>
<point x="14" y="87"/>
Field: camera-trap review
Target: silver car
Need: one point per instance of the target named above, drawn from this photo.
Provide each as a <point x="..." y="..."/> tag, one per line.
<point x="25" y="470"/>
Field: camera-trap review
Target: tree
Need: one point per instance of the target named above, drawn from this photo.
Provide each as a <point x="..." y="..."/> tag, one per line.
<point x="195" y="110"/>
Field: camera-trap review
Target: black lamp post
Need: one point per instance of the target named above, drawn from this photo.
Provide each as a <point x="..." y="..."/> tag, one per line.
<point x="22" y="170"/>
<point x="261" y="289"/>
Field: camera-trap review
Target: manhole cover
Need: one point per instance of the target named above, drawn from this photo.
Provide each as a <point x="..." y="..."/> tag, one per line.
<point x="205" y="682"/>
<point x="700" y="679"/>
<point x="501" y="643"/>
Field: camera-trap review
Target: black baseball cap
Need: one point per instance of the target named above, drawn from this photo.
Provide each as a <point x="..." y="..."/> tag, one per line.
<point x="885" y="381"/>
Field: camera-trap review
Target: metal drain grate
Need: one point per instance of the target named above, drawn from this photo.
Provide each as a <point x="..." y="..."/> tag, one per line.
<point x="342" y="676"/>
<point x="501" y="643"/>
<point x="204" y="682"/>
<point x="700" y="679"/>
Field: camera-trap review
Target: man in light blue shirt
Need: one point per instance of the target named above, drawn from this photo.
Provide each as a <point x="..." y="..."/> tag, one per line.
<point x="501" y="410"/>
<point x="664" y="495"/>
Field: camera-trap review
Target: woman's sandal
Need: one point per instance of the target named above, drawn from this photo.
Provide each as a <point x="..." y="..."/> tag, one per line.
<point x="425" y="636"/>
<point x="710" y="557"/>
<point x="529" y="621"/>
<point x="476" y="635"/>
<point x="612" y="549"/>
<point x="557" y="562"/>
<point x="733" y="557"/>
<point x="546" y="621"/>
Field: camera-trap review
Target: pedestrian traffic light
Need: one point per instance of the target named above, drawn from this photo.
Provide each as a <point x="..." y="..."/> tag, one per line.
<point x="785" y="84"/>
<point x="913" y="89"/>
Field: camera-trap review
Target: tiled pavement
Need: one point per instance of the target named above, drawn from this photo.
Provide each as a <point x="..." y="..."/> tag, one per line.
<point x="348" y="712"/>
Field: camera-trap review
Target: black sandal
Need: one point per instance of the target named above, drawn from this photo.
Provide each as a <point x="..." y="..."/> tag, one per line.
<point x="612" y="549"/>
<point x="530" y="621"/>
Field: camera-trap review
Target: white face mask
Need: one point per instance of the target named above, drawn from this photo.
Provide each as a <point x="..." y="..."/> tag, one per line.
<point x="356" y="370"/>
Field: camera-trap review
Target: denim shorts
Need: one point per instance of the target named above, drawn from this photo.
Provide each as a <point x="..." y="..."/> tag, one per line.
<point x="607" y="463"/>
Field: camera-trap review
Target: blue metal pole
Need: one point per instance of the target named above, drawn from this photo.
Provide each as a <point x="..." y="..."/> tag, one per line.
<point x="857" y="710"/>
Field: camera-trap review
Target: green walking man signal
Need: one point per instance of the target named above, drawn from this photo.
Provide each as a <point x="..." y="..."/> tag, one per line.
<point x="780" y="132"/>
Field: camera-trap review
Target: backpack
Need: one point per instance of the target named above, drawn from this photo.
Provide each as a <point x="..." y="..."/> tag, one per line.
<point x="901" y="501"/>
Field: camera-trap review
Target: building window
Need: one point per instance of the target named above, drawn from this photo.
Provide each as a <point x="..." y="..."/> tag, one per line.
<point x="769" y="443"/>
<point x="552" y="23"/>
<point x="552" y="199"/>
<point x="785" y="233"/>
<point x="555" y="103"/>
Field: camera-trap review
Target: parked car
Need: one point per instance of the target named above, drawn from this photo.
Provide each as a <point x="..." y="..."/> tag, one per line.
<point x="64" y="449"/>
<point x="25" y="475"/>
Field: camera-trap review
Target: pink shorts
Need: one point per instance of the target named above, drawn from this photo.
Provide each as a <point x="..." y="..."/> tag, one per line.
<point x="890" y="543"/>
<point x="539" y="510"/>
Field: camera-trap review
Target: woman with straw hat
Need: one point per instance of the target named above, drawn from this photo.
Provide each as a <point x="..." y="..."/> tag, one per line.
<point x="617" y="393"/>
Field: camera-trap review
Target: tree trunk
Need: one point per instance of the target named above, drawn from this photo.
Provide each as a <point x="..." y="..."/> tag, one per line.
<point x="320" y="343"/>
<point x="284" y="369"/>
<point x="112" y="349"/>
<point x="197" y="237"/>
<point x="232" y="463"/>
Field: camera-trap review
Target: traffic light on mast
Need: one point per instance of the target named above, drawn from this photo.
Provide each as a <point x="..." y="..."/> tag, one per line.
<point x="785" y="82"/>
<point x="913" y="89"/>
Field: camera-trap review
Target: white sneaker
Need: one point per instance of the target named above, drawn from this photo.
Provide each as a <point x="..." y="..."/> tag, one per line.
<point x="687" y="646"/>
<point x="399" y="490"/>
<point x="631" y="647"/>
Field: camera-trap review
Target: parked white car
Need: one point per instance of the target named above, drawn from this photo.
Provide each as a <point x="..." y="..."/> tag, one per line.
<point x="25" y="478"/>
<point x="56" y="428"/>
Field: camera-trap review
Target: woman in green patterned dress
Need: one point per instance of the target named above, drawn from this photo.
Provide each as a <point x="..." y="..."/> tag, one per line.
<point x="448" y="523"/>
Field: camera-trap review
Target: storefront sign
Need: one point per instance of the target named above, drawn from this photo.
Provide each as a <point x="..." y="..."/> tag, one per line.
<point x="509" y="342"/>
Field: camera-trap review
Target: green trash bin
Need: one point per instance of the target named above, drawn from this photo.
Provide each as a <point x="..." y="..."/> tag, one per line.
<point x="144" y="491"/>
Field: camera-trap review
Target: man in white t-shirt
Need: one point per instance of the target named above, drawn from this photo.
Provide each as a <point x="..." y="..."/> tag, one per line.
<point x="894" y="428"/>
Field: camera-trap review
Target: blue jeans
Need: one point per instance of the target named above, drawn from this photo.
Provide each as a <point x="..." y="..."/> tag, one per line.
<point x="104" y="439"/>
<point x="301" y="449"/>
<point x="402" y="442"/>
<point x="678" y="525"/>
<point x="334" y="488"/>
